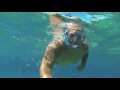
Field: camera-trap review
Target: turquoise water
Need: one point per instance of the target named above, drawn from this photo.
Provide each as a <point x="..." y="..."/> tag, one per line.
<point x="24" y="37"/>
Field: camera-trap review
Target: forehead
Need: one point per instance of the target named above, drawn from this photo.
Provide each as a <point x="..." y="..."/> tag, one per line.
<point x="73" y="26"/>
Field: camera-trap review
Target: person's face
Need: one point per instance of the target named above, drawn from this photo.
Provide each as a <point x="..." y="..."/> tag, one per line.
<point x="75" y="36"/>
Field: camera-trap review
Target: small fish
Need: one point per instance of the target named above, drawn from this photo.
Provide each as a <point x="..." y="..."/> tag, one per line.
<point x="23" y="71"/>
<point x="68" y="15"/>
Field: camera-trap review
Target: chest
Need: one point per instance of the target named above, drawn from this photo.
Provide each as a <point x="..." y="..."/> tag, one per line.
<point x="67" y="57"/>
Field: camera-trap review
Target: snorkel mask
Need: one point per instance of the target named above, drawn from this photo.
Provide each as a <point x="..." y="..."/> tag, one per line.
<point x="73" y="38"/>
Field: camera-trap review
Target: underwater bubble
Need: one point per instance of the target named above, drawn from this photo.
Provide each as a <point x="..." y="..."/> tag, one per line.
<point x="44" y="17"/>
<point x="13" y="36"/>
<point x="93" y="44"/>
<point x="28" y="64"/>
<point x="37" y="63"/>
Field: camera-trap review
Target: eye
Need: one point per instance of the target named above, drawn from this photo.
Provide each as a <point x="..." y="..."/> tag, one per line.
<point x="71" y="34"/>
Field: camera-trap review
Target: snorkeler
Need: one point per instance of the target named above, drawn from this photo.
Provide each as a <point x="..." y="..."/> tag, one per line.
<point x="70" y="47"/>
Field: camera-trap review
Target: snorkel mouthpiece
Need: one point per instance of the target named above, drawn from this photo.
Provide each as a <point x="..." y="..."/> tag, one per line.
<point x="75" y="46"/>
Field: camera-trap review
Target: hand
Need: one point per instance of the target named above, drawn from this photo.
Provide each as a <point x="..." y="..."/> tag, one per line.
<point x="80" y="68"/>
<point x="47" y="76"/>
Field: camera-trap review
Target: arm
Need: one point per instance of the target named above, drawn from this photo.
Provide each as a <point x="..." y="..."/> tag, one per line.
<point x="48" y="61"/>
<point x="83" y="62"/>
<point x="56" y="19"/>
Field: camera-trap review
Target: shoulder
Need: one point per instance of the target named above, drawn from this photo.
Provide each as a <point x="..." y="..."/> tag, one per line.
<point x="55" y="44"/>
<point x="53" y="50"/>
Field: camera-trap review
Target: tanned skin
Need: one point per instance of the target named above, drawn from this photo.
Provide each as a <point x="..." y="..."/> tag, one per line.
<point x="57" y="52"/>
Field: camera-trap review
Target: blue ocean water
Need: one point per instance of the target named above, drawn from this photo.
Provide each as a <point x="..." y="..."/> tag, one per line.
<point x="24" y="37"/>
